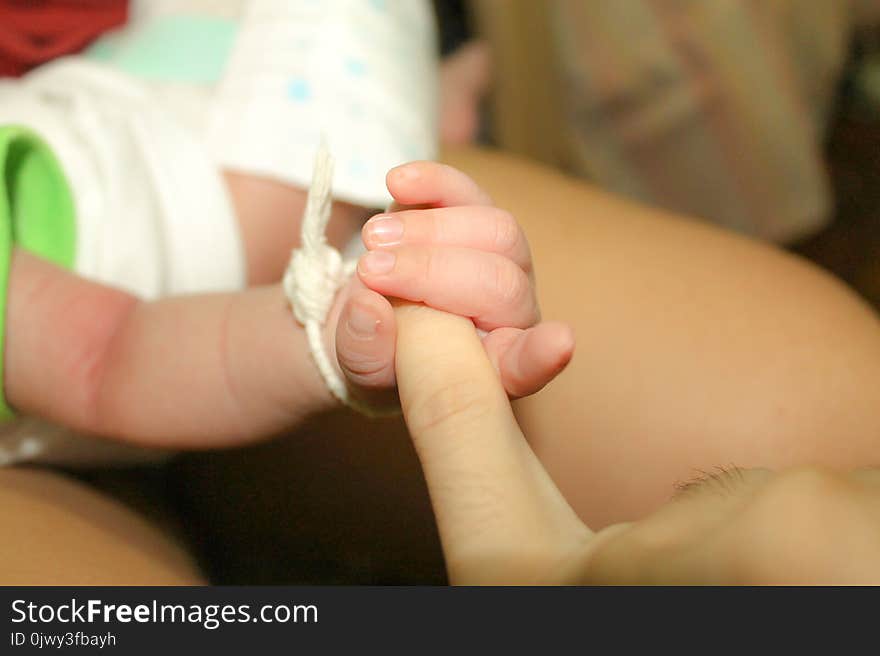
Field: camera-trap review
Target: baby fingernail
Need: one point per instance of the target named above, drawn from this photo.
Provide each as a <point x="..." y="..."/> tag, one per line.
<point x="362" y="323"/>
<point x="383" y="230"/>
<point x="405" y="171"/>
<point x="376" y="262"/>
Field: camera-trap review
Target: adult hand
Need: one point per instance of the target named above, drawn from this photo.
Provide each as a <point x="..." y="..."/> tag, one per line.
<point x="500" y="516"/>
<point x="503" y="521"/>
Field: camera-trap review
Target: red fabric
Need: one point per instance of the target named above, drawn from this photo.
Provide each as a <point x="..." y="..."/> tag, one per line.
<point x="34" y="31"/>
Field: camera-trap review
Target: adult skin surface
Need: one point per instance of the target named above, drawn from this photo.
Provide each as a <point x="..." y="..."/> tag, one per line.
<point x="59" y="531"/>
<point x="502" y="520"/>
<point x="695" y="347"/>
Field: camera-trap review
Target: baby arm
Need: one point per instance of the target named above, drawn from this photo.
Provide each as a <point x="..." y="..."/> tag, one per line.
<point x="223" y="369"/>
<point x="269" y="212"/>
<point x="193" y="371"/>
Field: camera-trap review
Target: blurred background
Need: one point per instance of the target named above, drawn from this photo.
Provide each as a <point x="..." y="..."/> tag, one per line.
<point x="760" y="116"/>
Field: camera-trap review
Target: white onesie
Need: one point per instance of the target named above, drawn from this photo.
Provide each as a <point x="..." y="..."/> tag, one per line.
<point x="262" y="80"/>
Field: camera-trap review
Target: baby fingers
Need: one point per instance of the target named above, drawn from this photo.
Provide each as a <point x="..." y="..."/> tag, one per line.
<point x="431" y="184"/>
<point x="489" y="288"/>
<point x="478" y="227"/>
<point x="526" y="360"/>
<point x="365" y="341"/>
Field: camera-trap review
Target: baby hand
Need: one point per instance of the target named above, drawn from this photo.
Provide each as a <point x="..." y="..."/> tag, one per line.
<point x="445" y="245"/>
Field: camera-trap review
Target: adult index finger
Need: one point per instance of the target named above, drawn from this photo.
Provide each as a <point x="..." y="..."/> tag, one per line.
<point x="501" y="518"/>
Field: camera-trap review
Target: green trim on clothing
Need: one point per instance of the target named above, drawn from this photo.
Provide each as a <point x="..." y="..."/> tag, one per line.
<point x="37" y="213"/>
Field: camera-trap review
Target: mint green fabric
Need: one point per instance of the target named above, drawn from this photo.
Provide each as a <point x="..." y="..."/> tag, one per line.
<point x="36" y="213"/>
<point x="191" y="49"/>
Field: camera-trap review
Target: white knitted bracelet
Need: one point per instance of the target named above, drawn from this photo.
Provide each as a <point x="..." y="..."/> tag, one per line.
<point x="315" y="274"/>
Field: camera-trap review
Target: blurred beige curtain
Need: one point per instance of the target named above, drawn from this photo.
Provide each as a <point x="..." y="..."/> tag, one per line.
<point x="715" y="108"/>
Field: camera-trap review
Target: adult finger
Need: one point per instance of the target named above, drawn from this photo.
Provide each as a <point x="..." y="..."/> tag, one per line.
<point x="501" y="519"/>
